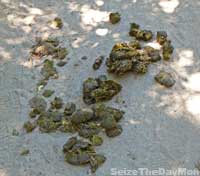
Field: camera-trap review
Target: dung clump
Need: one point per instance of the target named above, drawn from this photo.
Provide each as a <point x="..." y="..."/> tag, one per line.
<point x="114" y="17"/>
<point x="48" y="47"/>
<point x="79" y="152"/>
<point x="87" y="122"/>
<point x="165" y="79"/>
<point x="139" y="34"/>
<point x="126" y="58"/>
<point x="167" y="50"/>
<point x="97" y="90"/>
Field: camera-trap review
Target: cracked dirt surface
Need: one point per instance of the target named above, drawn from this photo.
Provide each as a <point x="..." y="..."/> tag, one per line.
<point x="161" y="126"/>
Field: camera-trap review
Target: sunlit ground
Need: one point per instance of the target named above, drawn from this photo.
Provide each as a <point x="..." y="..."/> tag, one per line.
<point x="169" y="6"/>
<point x="3" y="172"/>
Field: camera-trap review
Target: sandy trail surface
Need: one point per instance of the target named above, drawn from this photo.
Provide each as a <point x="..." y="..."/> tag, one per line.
<point x="161" y="126"/>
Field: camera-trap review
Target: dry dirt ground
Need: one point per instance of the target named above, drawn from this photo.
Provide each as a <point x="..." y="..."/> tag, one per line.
<point x="161" y="126"/>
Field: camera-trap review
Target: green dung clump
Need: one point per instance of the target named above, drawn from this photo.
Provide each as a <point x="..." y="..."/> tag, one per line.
<point x="114" y="17"/>
<point x="98" y="91"/>
<point x="29" y="126"/>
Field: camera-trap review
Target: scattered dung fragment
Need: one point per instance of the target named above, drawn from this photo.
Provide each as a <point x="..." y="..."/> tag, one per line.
<point x="98" y="62"/>
<point x="29" y="126"/>
<point x="96" y="160"/>
<point x="140" y="67"/>
<point x="34" y="112"/>
<point x="144" y="35"/>
<point x="47" y="124"/>
<point x="89" y="85"/>
<point x="95" y="90"/>
<point x="82" y="115"/>
<point x="88" y="130"/>
<point x="24" y="152"/>
<point x="114" y="17"/>
<point x="135" y="44"/>
<point x="67" y="126"/>
<point x="108" y="123"/>
<point x="56" y="23"/>
<point x="106" y="91"/>
<point x="96" y="140"/>
<point x="38" y="103"/>
<point x="48" y="47"/>
<point x="47" y="93"/>
<point x="165" y="79"/>
<point x="101" y="111"/>
<point x="139" y="34"/>
<point x="113" y="132"/>
<point x="57" y="103"/>
<point x="154" y="55"/>
<point x="70" y="108"/>
<point x="167" y="50"/>
<point x="44" y="47"/>
<point x="48" y="70"/>
<point x="161" y="37"/>
<point x="126" y="58"/>
<point x="69" y="144"/>
<point x="133" y="29"/>
<point x="15" y="132"/>
<point x="61" y="63"/>
<point x="60" y="53"/>
<point x="76" y="158"/>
